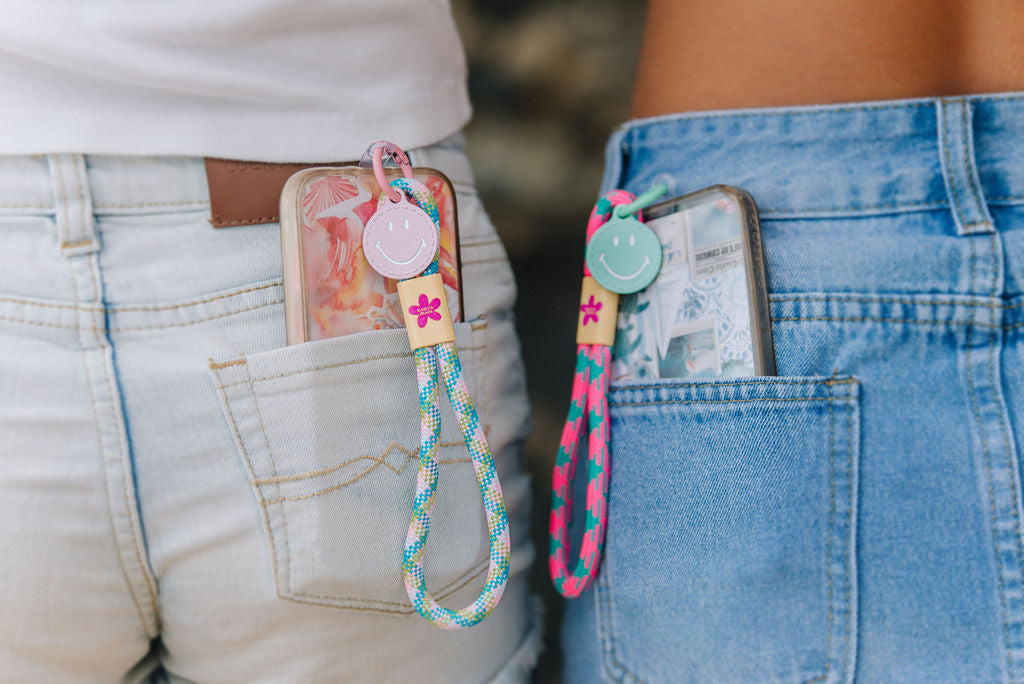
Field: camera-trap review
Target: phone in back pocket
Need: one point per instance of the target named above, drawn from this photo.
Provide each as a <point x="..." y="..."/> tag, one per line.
<point x="330" y="289"/>
<point x="706" y="314"/>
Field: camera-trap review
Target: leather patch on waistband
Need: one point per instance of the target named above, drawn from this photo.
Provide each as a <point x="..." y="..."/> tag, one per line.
<point x="245" y="193"/>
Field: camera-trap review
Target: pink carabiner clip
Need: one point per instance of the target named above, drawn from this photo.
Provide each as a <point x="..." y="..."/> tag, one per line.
<point x="398" y="154"/>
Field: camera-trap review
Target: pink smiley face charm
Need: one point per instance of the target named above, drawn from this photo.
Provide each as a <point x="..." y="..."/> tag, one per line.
<point x="399" y="240"/>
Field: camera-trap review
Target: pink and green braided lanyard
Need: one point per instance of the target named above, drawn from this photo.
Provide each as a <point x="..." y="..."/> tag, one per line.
<point x="441" y="361"/>
<point x="588" y="413"/>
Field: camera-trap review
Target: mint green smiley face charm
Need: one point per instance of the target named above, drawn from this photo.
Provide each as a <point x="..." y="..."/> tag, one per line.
<point x="624" y="255"/>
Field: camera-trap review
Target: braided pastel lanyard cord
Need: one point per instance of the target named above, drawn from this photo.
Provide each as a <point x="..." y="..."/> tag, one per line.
<point x="588" y="411"/>
<point x="432" y="362"/>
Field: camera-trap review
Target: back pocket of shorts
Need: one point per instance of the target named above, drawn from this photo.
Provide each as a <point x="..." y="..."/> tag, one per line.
<point x="731" y="536"/>
<point x="328" y="432"/>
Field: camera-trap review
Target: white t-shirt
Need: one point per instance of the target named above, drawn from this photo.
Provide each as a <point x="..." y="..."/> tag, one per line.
<point x="261" y="80"/>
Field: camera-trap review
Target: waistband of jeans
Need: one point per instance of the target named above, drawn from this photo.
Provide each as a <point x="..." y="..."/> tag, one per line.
<point x="832" y="160"/>
<point x="29" y="184"/>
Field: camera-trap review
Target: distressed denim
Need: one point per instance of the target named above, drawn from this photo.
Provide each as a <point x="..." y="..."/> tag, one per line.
<point x="857" y="517"/>
<point x="185" y="495"/>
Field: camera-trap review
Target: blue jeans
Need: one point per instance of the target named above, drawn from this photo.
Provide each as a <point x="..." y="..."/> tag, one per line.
<point x="858" y="516"/>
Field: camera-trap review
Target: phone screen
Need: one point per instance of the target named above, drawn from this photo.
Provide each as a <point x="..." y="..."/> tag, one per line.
<point x="330" y="289"/>
<point x="706" y="314"/>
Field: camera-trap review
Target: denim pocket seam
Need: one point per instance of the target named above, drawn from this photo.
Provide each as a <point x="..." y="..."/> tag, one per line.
<point x="340" y="364"/>
<point x="387" y="450"/>
<point x="273" y="469"/>
<point x="196" y="302"/>
<point x="617" y="671"/>
<point x="908" y="300"/>
<point x="872" y="319"/>
<point x="247" y="459"/>
<point x="738" y="383"/>
<point x="829" y="550"/>
<point x="758" y="400"/>
<point x="988" y="455"/>
<point x="223" y="314"/>
<point x="281" y="566"/>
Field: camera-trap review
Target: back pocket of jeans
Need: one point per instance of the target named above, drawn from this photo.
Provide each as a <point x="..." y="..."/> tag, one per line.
<point x="328" y="433"/>
<point x="731" y="535"/>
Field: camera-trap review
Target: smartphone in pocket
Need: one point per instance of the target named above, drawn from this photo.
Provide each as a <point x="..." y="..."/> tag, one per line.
<point x="706" y="314"/>
<point x="329" y="288"/>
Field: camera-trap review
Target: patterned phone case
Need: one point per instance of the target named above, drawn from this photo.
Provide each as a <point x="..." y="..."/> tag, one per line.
<point x="329" y="288"/>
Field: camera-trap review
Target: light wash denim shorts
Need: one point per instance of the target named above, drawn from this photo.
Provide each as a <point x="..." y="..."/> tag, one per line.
<point x="183" y="493"/>
<point x="857" y="517"/>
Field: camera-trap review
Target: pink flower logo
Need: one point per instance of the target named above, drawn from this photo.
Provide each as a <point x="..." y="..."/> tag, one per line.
<point x="426" y="309"/>
<point x="590" y="310"/>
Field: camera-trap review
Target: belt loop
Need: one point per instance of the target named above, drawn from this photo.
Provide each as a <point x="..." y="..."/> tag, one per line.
<point x="956" y="149"/>
<point x="614" y="151"/>
<point x="72" y="204"/>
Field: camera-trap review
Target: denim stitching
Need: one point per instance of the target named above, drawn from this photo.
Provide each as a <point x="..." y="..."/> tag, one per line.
<point x="131" y="510"/>
<point x="400" y="608"/>
<point x="1013" y="472"/>
<point x="869" y="319"/>
<point x="831" y="529"/>
<point x="828" y="544"/>
<point x="356" y="478"/>
<point x="125" y="468"/>
<point x="716" y="401"/>
<point x="273" y="470"/>
<point x="379" y="460"/>
<point x="638" y="124"/>
<point x="133" y="205"/>
<point x="748" y="383"/>
<point x="166" y="307"/>
<point x="50" y="305"/>
<point x="236" y="362"/>
<point x="988" y="473"/>
<point x="245" y="222"/>
<point x="76" y="243"/>
<point x="196" y="320"/>
<point x="42" y="323"/>
<point x="787" y="112"/>
<point x="998" y="98"/>
<point x="849" y="533"/>
<point x="340" y="364"/>
<point x="264" y="514"/>
<point x="96" y="417"/>
<point x="863" y="207"/>
<point x="123" y="309"/>
<point x="908" y="300"/>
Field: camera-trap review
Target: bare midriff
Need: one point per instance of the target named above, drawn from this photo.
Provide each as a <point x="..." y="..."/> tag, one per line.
<point x="725" y="54"/>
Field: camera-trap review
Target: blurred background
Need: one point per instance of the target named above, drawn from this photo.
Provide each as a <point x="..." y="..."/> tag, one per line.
<point x="549" y="81"/>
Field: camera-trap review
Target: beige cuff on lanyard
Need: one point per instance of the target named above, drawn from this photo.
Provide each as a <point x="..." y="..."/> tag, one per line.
<point x="599" y="309"/>
<point x="425" y="308"/>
